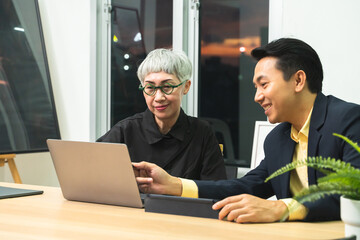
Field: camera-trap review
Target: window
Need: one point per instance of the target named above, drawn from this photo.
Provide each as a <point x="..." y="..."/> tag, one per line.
<point x="229" y="30"/>
<point x="222" y="90"/>
<point x="137" y="27"/>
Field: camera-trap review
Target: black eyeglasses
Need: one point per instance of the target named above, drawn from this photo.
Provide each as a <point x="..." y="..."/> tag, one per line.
<point x="167" y="88"/>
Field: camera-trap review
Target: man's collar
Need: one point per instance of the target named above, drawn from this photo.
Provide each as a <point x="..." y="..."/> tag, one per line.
<point x="318" y="114"/>
<point x="319" y="111"/>
<point x="295" y="135"/>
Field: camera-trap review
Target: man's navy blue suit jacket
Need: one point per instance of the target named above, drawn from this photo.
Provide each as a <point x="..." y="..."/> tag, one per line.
<point x="330" y="115"/>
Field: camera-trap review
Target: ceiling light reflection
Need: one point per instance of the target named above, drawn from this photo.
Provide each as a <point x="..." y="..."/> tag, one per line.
<point x="137" y="37"/>
<point x="19" y="29"/>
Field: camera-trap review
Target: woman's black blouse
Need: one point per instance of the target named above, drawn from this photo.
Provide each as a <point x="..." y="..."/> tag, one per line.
<point x="190" y="150"/>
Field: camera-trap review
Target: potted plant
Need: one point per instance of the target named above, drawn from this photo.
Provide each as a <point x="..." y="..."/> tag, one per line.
<point x="340" y="178"/>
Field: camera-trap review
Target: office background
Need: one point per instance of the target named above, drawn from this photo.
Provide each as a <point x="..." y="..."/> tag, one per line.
<point x="330" y="26"/>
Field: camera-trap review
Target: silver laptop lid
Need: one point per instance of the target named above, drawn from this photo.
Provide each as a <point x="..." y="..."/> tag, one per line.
<point x="95" y="172"/>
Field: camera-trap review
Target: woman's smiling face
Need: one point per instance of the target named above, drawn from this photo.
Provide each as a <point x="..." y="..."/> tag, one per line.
<point x="166" y="108"/>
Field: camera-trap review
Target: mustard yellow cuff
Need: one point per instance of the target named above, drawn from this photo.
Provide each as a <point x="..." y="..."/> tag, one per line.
<point x="296" y="210"/>
<point x="189" y="188"/>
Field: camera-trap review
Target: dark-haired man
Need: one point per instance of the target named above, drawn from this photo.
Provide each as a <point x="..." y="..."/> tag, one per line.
<point x="288" y="81"/>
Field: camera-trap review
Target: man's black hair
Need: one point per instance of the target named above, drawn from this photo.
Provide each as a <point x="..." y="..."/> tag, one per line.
<point x="293" y="55"/>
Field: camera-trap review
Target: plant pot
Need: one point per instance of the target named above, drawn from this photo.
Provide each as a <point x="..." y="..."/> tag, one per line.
<point x="350" y="215"/>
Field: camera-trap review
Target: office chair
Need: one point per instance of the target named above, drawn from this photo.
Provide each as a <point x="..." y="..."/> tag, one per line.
<point x="220" y="127"/>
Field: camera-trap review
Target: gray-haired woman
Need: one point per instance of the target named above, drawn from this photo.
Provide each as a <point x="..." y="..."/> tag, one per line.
<point x="163" y="134"/>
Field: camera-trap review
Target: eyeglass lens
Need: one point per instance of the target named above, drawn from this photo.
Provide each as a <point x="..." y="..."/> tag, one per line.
<point x="151" y="89"/>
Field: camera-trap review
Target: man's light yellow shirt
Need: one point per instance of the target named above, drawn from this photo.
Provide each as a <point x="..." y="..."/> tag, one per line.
<point x="298" y="177"/>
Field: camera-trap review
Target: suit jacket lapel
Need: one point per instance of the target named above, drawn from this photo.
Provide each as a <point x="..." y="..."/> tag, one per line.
<point x="316" y="122"/>
<point x="287" y="152"/>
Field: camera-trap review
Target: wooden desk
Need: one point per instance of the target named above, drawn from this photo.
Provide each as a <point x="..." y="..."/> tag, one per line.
<point x="50" y="216"/>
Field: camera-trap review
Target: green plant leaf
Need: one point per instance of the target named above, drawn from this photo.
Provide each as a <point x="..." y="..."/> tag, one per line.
<point x="340" y="177"/>
<point x="327" y="166"/>
<point x="353" y="144"/>
<point x="316" y="192"/>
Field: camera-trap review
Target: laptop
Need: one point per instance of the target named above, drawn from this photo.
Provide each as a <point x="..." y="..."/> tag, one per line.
<point x="95" y="172"/>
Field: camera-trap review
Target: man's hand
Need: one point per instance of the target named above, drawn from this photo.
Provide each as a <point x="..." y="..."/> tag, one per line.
<point x="247" y="208"/>
<point x="153" y="179"/>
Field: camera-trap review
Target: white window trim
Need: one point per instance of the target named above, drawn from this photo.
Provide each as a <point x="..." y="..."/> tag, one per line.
<point x="186" y="38"/>
<point x="275" y="19"/>
<point x="103" y="71"/>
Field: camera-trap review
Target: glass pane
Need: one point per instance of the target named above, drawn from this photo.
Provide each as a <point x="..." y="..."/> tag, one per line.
<point x="229" y="31"/>
<point x="137" y="27"/>
<point x="27" y="112"/>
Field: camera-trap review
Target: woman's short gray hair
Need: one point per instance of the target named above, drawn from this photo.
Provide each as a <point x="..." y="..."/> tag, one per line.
<point x="171" y="61"/>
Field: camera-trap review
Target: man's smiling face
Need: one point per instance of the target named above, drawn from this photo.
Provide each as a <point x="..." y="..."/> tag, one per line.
<point x="275" y="94"/>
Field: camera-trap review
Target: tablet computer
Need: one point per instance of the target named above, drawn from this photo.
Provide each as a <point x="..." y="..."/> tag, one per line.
<point x="195" y="207"/>
<point x="10" y="192"/>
